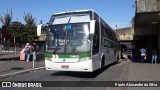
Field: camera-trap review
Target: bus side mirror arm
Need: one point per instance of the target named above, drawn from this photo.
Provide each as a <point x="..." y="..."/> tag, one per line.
<point x="92" y="27"/>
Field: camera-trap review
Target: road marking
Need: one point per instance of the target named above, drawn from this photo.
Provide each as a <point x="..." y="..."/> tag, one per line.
<point x="124" y="75"/>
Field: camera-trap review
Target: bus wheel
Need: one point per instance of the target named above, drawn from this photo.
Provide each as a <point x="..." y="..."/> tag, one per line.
<point x="103" y="62"/>
<point x="117" y="59"/>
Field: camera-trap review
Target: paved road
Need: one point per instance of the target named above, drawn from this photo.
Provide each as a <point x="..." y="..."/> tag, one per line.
<point x="113" y="72"/>
<point x="124" y="71"/>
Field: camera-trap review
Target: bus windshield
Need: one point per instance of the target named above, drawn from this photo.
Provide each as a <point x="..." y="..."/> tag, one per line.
<point x="68" y="38"/>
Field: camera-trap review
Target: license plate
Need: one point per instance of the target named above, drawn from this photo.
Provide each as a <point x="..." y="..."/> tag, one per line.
<point x="65" y="66"/>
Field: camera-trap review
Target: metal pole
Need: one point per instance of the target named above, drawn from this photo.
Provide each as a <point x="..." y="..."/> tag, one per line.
<point x="33" y="58"/>
<point x="33" y="64"/>
<point x="14" y="46"/>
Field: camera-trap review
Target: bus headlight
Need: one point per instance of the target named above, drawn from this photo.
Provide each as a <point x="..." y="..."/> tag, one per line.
<point x="49" y="59"/>
<point x="84" y="59"/>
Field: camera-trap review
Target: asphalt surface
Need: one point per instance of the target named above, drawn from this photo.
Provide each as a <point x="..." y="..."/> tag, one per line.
<point x="128" y="71"/>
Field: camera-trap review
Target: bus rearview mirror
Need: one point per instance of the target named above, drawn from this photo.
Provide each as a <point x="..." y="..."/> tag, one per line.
<point x="92" y="26"/>
<point x="39" y="27"/>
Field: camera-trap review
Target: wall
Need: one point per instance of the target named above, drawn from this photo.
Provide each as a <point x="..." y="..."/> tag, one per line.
<point x="159" y="38"/>
<point x="126" y="33"/>
<point x="147" y="29"/>
<point x="148" y="6"/>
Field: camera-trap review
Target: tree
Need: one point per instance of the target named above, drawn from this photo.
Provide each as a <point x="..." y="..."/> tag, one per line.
<point x="16" y="30"/>
<point x="29" y="32"/>
<point x="29" y="19"/>
<point x="133" y="21"/>
<point x="133" y="18"/>
<point x="6" y="20"/>
<point x="22" y="33"/>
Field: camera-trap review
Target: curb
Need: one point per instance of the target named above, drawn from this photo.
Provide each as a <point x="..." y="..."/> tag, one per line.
<point x="20" y="72"/>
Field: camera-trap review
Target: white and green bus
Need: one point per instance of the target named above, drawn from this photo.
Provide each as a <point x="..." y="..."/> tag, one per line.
<point x="79" y="41"/>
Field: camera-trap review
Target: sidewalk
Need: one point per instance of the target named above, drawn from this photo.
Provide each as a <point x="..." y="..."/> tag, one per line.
<point x="136" y="71"/>
<point x="12" y="65"/>
<point x="15" y="66"/>
<point x="144" y="72"/>
<point x="141" y="72"/>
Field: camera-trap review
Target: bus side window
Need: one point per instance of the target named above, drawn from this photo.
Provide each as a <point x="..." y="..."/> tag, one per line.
<point x="96" y="39"/>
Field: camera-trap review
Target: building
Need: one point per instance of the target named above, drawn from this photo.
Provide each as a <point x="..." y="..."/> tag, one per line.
<point x="146" y="31"/>
<point x="147" y="25"/>
<point x="126" y="40"/>
<point x="126" y="34"/>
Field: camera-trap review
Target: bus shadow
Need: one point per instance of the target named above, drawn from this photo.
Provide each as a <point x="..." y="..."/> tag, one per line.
<point x="84" y="74"/>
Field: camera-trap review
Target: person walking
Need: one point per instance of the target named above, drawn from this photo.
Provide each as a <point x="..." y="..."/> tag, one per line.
<point x="133" y="55"/>
<point x="154" y="56"/>
<point x="143" y="54"/>
<point x="34" y="50"/>
<point x="27" y="48"/>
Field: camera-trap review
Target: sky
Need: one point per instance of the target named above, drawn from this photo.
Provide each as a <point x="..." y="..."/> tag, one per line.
<point x="113" y="12"/>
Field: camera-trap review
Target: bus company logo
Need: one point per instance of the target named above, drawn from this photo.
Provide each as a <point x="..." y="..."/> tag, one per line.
<point x="74" y="56"/>
<point x="6" y="84"/>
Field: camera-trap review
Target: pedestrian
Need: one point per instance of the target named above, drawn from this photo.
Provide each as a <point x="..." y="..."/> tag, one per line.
<point x="133" y="55"/>
<point x="34" y="51"/>
<point x="28" y="53"/>
<point x="143" y="54"/>
<point x="154" y="56"/>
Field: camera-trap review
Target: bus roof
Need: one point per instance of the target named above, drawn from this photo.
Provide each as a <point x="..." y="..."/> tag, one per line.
<point x="67" y="12"/>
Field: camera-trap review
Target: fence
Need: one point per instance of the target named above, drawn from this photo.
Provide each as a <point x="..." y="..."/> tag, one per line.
<point x="12" y="50"/>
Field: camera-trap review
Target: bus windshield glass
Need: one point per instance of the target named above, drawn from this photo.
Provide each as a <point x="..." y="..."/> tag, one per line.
<point x="68" y="38"/>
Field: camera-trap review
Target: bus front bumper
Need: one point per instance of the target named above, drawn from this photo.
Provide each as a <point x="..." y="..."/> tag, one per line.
<point x="83" y="66"/>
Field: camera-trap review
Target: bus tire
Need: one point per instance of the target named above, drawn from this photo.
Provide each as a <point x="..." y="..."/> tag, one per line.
<point x="117" y="59"/>
<point x="103" y="62"/>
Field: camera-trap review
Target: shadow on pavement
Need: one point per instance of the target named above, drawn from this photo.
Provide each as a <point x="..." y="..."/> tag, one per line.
<point x="17" y="68"/>
<point x="84" y="74"/>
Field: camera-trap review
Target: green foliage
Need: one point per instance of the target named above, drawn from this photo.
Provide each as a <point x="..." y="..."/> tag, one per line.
<point x="29" y="19"/>
<point x="29" y="33"/>
<point x="133" y="21"/>
<point x="22" y="33"/>
<point x="6" y="20"/>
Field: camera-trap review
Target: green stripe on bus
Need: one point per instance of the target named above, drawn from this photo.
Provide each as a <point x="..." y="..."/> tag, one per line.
<point x="85" y="55"/>
<point x="63" y="56"/>
<point x="49" y="55"/>
<point x="74" y="56"/>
